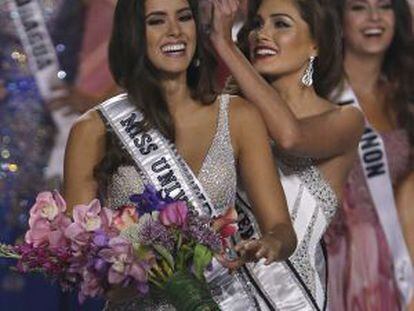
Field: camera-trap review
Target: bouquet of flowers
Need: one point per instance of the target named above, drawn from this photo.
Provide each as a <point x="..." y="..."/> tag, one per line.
<point x="157" y="244"/>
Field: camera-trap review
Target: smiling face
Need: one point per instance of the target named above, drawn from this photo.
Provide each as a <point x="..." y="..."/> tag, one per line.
<point x="170" y="32"/>
<point x="280" y="43"/>
<point x="369" y="26"/>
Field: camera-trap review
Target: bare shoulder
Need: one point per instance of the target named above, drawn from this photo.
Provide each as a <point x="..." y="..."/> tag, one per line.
<point x="242" y="112"/>
<point x="246" y="123"/>
<point x="353" y="113"/>
<point x="90" y="124"/>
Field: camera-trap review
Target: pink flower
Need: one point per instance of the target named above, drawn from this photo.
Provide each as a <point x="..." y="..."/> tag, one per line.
<point x="120" y="256"/>
<point x="88" y="216"/>
<point x="226" y="224"/>
<point x="87" y="219"/>
<point x="48" y="206"/>
<point x="47" y="221"/>
<point x="39" y="232"/>
<point x="174" y="214"/>
<point x="125" y="217"/>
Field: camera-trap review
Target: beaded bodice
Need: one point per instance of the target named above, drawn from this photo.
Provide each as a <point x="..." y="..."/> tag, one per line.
<point x="217" y="173"/>
<point x="312" y="206"/>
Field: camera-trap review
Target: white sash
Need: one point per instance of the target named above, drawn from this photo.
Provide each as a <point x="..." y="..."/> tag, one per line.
<point x="43" y="62"/>
<point x="374" y="161"/>
<point x="31" y="27"/>
<point x="281" y="286"/>
<point x="156" y="158"/>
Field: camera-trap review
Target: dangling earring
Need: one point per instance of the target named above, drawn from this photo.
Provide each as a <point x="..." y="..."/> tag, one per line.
<point x="307" y="78"/>
<point x="196" y="62"/>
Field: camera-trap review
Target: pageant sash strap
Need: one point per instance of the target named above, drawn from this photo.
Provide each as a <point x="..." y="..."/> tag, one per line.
<point x="31" y="27"/>
<point x="374" y="161"/>
<point x="156" y="158"/>
<point x="290" y="291"/>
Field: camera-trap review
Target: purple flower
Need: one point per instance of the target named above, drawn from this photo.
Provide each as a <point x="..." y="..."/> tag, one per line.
<point x="87" y="220"/>
<point x="148" y="201"/>
<point x="201" y="231"/>
<point x="174" y="214"/>
<point x="100" y="239"/>
<point x="153" y="232"/>
<point x="120" y="256"/>
<point x="92" y="217"/>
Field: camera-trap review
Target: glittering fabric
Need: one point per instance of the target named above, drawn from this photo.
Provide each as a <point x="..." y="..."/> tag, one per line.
<point x="324" y="208"/>
<point x="360" y="265"/>
<point x="217" y="175"/>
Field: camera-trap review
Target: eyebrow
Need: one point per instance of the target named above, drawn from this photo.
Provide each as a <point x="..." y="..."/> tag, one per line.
<point x="281" y="15"/>
<point x="162" y="13"/>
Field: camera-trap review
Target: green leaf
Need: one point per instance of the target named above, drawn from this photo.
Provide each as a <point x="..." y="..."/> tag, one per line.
<point x="183" y="256"/>
<point x="202" y="258"/>
<point x="165" y="254"/>
<point x="180" y="240"/>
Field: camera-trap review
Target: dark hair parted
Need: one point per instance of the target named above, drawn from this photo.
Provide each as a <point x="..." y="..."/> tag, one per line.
<point x="324" y="30"/>
<point x="398" y="65"/>
<point x="133" y="71"/>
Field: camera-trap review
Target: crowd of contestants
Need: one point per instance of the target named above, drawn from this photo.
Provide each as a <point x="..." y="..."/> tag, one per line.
<point x="373" y="53"/>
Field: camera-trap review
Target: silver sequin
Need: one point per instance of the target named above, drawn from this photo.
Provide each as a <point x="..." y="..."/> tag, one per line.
<point x="217" y="175"/>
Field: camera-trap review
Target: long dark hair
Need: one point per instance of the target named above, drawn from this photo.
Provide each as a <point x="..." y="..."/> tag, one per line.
<point x="322" y="23"/>
<point x="133" y="71"/>
<point x="398" y="66"/>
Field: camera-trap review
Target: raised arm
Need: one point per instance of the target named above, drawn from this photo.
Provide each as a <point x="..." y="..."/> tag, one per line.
<point x="322" y="136"/>
<point x="85" y="149"/>
<point x="260" y="178"/>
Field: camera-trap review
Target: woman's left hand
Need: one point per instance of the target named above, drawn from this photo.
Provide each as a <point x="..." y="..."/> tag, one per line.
<point x="223" y="18"/>
<point x="268" y="247"/>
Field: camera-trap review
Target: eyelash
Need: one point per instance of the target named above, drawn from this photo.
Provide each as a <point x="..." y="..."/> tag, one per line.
<point x="154" y="22"/>
<point x="183" y="18"/>
<point x="281" y="24"/>
<point x="257" y="24"/>
<point x="186" y="18"/>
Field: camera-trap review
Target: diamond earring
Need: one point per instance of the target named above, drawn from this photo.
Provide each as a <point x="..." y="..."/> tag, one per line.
<point x="307" y="78"/>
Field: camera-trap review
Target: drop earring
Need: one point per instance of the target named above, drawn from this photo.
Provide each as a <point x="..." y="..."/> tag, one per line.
<point x="307" y="78"/>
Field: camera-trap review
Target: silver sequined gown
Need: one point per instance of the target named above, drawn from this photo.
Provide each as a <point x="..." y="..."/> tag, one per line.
<point x="217" y="175"/>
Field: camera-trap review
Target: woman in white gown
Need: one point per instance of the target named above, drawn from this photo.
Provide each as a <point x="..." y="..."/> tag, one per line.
<point x="295" y="47"/>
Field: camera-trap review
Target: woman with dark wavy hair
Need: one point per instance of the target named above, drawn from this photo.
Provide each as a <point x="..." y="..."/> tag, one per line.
<point x="289" y="63"/>
<point x="158" y="56"/>
<point x="370" y="265"/>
